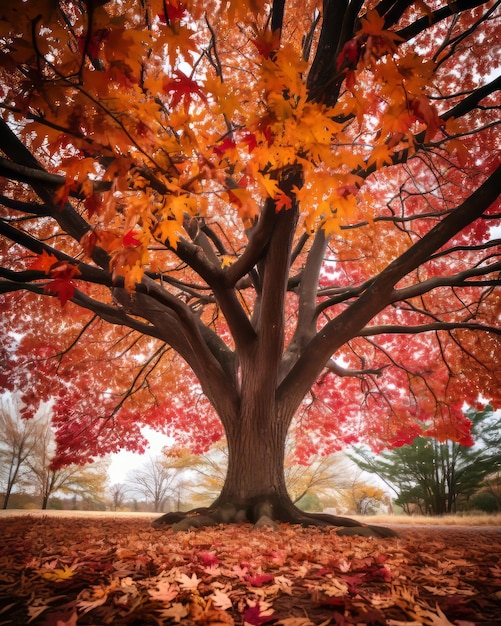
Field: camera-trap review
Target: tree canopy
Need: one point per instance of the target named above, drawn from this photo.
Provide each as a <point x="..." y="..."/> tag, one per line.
<point x="299" y="200"/>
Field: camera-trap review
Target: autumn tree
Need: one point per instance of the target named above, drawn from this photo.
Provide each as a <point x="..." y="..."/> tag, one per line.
<point x="19" y="437"/>
<point x="299" y="202"/>
<point x="366" y="499"/>
<point x="73" y="479"/>
<point x="439" y="477"/>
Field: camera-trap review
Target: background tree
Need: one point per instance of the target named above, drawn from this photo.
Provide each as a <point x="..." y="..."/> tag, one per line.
<point x="155" y="480"/>
<point x="292" y="201"/>
<point x="87" y="482"/>
<point x="436" y="477"/>
<point x="366" y="499"/>
<point x="488" y="498"/>
<point x="332" y="481"/>
<point x="19" y="437"/>
<point x="118" y="492"/>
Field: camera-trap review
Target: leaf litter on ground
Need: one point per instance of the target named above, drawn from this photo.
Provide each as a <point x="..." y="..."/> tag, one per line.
<point x="65" y="572"/>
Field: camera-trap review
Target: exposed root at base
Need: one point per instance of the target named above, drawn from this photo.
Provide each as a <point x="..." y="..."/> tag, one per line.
<point x="264" y="514"/>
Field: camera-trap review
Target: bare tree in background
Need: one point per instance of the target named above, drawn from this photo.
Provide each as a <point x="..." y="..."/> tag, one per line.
<point x="154" y="480"/>
<point x="118" y="492"/>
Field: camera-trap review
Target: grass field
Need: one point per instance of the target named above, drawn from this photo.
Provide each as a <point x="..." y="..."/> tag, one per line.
<point x="445" y="520"/>
<point x="417" y="520"/>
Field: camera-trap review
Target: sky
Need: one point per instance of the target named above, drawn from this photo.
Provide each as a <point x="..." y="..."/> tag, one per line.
<point x="123" y="462"/>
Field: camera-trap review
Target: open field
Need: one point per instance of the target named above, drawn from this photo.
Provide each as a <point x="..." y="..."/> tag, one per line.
<point x="423" y="520"/>
<point x="389" y="520"/>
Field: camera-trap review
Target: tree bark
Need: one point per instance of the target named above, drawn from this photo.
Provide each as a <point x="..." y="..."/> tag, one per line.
<point x="256" y="444"/>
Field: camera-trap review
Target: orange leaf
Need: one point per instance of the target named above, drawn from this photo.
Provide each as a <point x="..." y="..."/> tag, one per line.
<point x="282" y="200"/>
<point x="43" y="262"/>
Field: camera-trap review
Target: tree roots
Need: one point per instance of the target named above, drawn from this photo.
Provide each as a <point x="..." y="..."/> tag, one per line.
<point x="266" y="514"/>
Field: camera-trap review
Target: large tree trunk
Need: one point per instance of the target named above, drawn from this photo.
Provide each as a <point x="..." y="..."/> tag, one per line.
<point x="256" y="424"/>
<point x="256" y="445"/>
<point x="255" y="490"/>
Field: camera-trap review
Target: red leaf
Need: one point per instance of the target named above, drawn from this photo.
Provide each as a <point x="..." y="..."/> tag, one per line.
<point x="426" y="113"/>
<point x="223" y="146"/>
<point x="183" y="88"/>
<point x="254" y="616"/>
<point x="175" y="12"/>
<point x="92" y="45"/>
<point x="266" y="44"/>
<point x="63" y="288"/>
<point x="93" y="204"/>
<point x="130" y="240"/>
<point x="349" y="54"/>
<point x="64" y="271"/>
<point x="208" y="558"/>
<point x="259" y="579"/>
<point x="353" y="582"/>
<point x="249" y="139"/>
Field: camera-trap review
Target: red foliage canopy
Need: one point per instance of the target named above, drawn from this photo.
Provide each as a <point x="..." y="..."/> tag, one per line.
<point x="303" y="207"/>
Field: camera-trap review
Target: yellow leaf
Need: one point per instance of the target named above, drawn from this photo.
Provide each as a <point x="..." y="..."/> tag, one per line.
<point x="381" y="156"/>
<point x="58" y="574"/>
<point x="244" y="201"/>
<point x="133" y="276"/>
<point x="178" y="205"/>
<point x="168" y="231"/>
<point x="270" y="184"/>
<point x="280" y="106"/>
<point x="331" y="226"/>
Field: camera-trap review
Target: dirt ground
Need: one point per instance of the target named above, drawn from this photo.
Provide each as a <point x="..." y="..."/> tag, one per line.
<point x="99" y="569"/>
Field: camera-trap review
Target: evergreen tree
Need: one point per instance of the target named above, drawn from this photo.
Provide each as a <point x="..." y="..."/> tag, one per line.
<point x="439" y="477"/>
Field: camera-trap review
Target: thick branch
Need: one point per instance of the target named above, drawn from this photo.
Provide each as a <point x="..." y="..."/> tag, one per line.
<point x="462" y="279"/>
<point x="270" y="319"/>
<point x="450" y="8"/>
<point x="392" y="10"/>
<point x="259" y="237"/>
<point x="381" y="292"/>
<point x="471" y="102"/>
<point x="307" y="292"/>
<point x="32" y="175"/>
<point x="384" y="329"/>
<point x="108" y="313"/>
<point x="30" y="208"/>
<point x="87" y="272"/>
<point x="69" y="220"/>
<point x="226" y="297"/>
<point x="338" y="25"/>
<point x="277" y="15"/>
<point x="210" y="359"/>
<point x="343" y="371"/>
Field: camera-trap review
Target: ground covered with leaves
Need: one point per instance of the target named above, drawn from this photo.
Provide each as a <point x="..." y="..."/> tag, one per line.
<point x="67" y="571"/>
